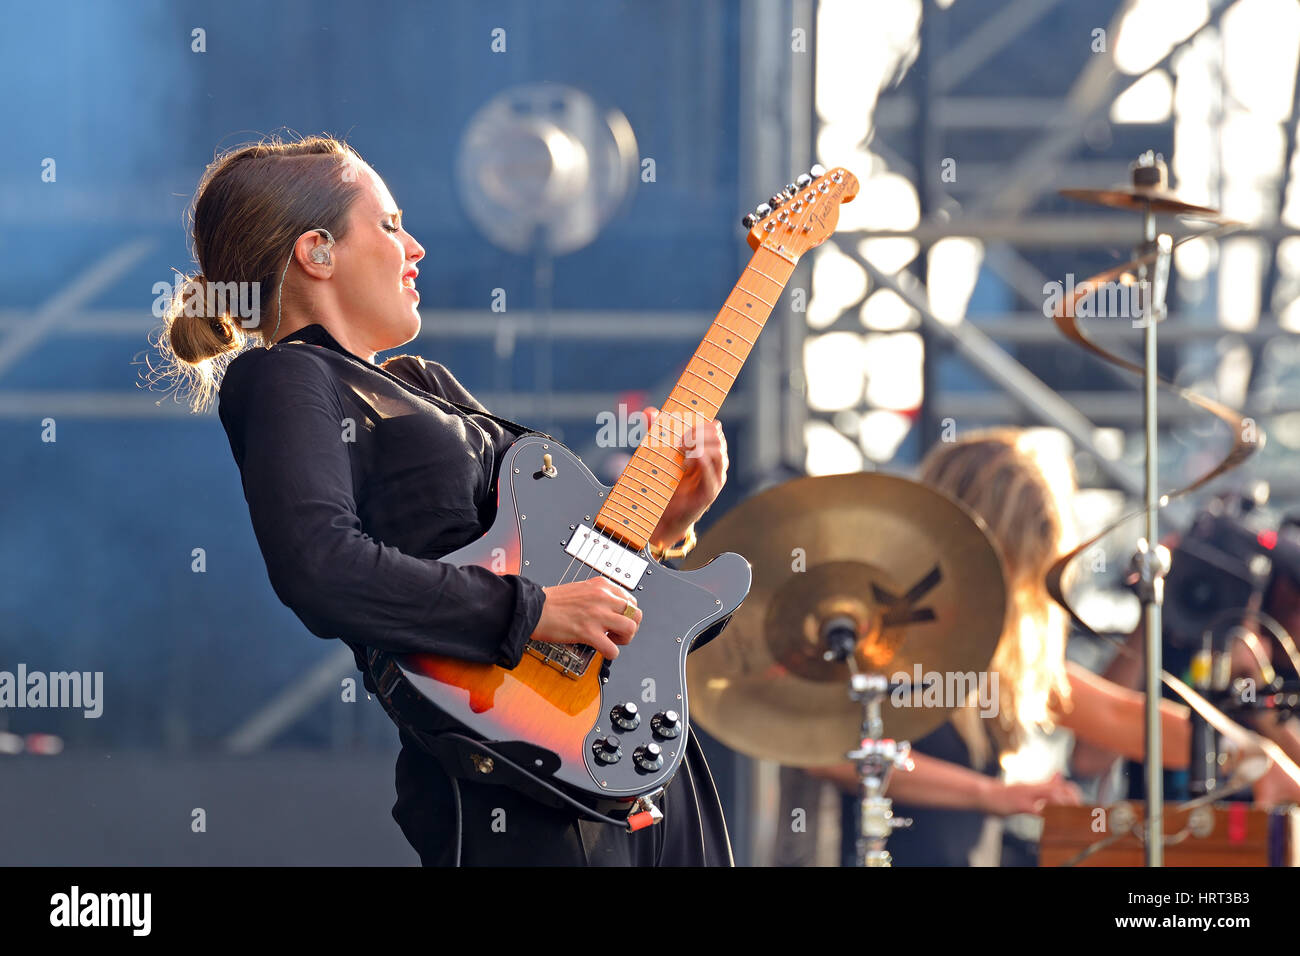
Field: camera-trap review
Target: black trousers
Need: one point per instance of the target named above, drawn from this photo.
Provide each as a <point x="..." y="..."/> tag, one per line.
<point x="501" y="827"/>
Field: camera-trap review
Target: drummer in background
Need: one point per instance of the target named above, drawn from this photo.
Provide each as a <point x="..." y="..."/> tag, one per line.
<point x="1281" y="601"/>
<point x="1022" y="490"/>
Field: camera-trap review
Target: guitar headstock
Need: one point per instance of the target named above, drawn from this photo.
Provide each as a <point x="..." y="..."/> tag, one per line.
<point x="801" y="216"/>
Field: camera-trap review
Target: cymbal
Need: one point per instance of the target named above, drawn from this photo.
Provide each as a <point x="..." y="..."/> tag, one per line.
<point x="1148" y="190"/>
<point x="1140" y="199"/>
<point x="915" y="571"/>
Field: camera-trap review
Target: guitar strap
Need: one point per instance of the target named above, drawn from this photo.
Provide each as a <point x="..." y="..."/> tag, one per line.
<point x="472" y="759"/>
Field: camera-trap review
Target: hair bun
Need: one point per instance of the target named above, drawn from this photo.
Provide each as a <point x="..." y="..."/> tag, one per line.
<point x="192" y="336"/>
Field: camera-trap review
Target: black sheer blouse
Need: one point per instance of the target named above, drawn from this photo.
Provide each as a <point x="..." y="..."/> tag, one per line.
<point x="358" y="478"/>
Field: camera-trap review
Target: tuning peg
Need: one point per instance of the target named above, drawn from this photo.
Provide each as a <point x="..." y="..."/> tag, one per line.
<point x="762" y="210"/>
<point x="790" y="190"/>
<point x="750" y="221"/>
<point x="802" y="180"/>
<point x="777" y="200"/>
<point x="818" y="171"/>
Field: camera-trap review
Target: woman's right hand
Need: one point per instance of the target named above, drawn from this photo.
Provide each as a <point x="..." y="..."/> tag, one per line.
<point x="588" y="612"/>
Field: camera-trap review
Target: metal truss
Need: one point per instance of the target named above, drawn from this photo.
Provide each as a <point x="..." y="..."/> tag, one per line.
<point x="910" y="126"/>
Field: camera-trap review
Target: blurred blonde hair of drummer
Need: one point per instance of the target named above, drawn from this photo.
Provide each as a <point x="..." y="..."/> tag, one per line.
<point x="1021" y="483"/>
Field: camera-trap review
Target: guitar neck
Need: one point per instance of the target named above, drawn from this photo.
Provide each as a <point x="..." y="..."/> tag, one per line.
<point x="640" y="496"/>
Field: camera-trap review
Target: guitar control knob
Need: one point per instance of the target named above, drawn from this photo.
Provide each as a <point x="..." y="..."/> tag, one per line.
<point x="648" y="758"/>
<point x="607" y="749"/>
<point x="667" y="724"/>
<point x="626" y="716"/>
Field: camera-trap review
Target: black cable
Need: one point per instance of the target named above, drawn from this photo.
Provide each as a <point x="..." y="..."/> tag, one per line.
<point x="552" y="791"/>
<point x="455" y="796"/>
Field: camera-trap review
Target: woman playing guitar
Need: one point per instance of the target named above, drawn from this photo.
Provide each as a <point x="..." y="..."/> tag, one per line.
<point x="360" y="474"/>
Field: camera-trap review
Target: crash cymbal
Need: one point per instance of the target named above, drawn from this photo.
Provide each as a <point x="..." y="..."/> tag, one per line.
<point x="1148" y="191"/>
<point x="916" y="573"/>
<point x="1132" y="197"/>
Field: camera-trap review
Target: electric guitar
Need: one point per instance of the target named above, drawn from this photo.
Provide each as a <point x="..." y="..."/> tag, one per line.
<point x="614" y="731"/>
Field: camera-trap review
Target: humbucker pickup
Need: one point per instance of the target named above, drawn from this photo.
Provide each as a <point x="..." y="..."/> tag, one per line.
<point x="607" y="556"/>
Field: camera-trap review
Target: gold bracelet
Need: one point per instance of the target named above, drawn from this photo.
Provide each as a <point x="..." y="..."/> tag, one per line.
<point x="687" y="544"/>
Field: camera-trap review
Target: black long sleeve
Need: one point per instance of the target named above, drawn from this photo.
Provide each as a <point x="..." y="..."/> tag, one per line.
<point x="322" y="439"/>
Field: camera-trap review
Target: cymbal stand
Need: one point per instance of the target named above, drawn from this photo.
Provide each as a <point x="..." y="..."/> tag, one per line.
<point x="876" y="759"/>
<point x="1151" y="560"/>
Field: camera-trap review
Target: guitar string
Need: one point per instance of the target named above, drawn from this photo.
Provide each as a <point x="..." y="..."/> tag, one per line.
<point x="586" y="568"/>
<point x="673" y="416"/>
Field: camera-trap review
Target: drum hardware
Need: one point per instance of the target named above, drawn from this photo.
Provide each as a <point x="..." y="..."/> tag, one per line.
<point x="1149" y="194"/>
<point x="888" y="577"/>
<point x="1232" y="834"/>
<point x="874" y="758"/>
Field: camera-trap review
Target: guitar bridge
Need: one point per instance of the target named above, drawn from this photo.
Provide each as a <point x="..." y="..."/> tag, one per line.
<point x="571" y="660"/>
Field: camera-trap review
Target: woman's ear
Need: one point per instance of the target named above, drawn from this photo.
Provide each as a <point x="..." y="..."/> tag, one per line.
<point x="314" y="251"/>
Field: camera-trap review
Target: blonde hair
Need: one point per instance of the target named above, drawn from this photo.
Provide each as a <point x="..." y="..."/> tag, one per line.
<point x="1021" y="487"/>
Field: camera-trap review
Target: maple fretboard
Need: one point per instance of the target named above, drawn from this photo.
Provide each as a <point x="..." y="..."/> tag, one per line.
<point x="640" y="496"/>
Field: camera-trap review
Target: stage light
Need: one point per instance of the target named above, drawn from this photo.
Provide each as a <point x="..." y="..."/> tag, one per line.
<point x="1150" y="29"/>
<point x="953" y="265"/>
<point x="861" y="46"/>
<point x="887" y="201"/>
<point x="1261" y="48"/>
<point x="880" y="432"/>
<point x="894" y="364"/>
<point x="886" y="311"/>
<point x="1195" y="258"/>
<point x="1241" y="269"/>
<point x="828" y="451"/>
<point x="1149" y="100"/>
<point x="838" y="281"/>
<point x="833" y="367"/>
